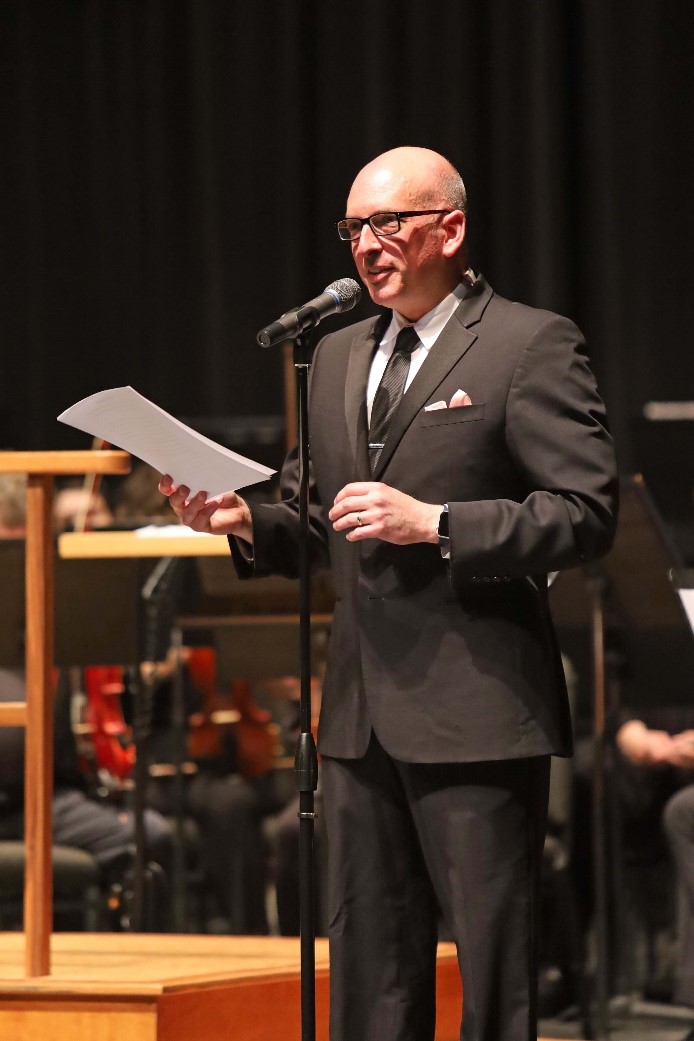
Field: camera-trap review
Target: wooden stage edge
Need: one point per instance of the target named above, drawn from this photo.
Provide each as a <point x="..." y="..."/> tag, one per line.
<point x="153" y="987"/>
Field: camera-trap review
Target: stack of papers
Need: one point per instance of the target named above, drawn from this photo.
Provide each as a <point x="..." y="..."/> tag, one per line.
<point x="125" y="419"/>
<point x="687" y="598"/>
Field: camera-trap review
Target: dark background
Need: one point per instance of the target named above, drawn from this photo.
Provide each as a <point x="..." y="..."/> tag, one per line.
<point x="171" y="173"/>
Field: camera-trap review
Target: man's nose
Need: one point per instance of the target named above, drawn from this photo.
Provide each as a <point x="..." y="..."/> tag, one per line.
<point x="368" y="241"/>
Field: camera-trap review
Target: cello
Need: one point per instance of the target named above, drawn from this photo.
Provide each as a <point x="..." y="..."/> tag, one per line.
<point x="233" y="713"/>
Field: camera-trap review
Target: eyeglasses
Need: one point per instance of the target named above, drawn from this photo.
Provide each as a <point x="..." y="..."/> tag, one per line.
<point x="382" y="224"/>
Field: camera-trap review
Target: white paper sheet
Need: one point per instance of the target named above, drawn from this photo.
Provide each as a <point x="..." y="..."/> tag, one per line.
<point x="168" y="531"/>
<point x="127" y="420"/>
<point x="687" y="597"/>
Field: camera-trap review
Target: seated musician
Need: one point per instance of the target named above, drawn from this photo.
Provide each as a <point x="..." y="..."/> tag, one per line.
<point x="656" y="785"/>
<point x="81" y="818"/>
<point x="226" y="802"/>
<point x="227" y="808"/>
<point x="80" y="508"/>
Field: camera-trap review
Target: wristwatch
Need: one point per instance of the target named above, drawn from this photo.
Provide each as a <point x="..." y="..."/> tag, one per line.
<point x="443" y="530"/>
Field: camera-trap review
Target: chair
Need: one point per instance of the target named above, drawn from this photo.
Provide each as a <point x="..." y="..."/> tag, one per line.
<point x="76" y="890"/>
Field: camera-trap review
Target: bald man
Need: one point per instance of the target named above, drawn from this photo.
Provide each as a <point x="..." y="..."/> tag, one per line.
<point x="453" y="467"/>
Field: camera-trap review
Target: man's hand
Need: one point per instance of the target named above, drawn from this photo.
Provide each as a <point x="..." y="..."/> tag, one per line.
<point x="646" y="747"/>
<point x="371" y="510"/>
<point x="643" y="746"/>
<point x="226" y="514"/>
<point x="682" y="753"/>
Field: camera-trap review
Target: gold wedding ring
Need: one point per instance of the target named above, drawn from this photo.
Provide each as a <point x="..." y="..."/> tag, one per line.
<point x="359" y="520"/>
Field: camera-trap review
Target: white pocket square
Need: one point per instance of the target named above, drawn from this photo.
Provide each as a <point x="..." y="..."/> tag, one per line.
<point x="459" y="399"/>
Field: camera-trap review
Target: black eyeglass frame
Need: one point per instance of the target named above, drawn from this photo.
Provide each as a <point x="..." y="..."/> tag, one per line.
<point x="400" y="214"/>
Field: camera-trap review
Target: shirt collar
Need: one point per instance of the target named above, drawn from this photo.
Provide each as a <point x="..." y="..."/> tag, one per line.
<point x="430" y="325"/>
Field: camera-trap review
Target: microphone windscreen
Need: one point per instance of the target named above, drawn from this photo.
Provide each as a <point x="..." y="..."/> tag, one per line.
<point x="347" y="291"/>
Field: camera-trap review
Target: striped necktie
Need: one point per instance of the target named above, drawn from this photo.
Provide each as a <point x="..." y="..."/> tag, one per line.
<point x="390" y="391"/>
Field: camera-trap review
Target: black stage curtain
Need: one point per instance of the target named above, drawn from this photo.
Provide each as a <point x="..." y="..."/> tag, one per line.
<point x="171" y="172"/>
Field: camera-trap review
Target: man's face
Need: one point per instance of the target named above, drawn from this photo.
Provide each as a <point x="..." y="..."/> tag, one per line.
<point x="406" y="271"/>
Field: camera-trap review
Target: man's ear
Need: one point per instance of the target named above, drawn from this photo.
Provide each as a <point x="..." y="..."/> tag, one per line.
<point x="454" y="226"/>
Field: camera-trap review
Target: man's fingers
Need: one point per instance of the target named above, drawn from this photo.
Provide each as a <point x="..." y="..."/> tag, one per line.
<point x="201" y="519"/>
<point x="354" y="504"/>
<point x="355" y="518"/>
<point x="227" y="500"/>
<point x="188" y="510"/>
<point x="179" y="496"/>
<point x="347" y="506"/>
<point x="196" y="511"/>
<point x="357" y="488"/>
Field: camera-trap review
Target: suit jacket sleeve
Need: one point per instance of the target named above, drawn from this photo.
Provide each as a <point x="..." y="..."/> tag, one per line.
<point x="556" y="434"/>
<point x="276" y="530"/>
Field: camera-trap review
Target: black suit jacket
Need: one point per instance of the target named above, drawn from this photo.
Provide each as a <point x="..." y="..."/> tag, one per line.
<point x="454" y="660"/>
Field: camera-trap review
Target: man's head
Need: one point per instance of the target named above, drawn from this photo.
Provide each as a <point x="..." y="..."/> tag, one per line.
<point x="13" y="493"/>
<point x="414" y="269"/>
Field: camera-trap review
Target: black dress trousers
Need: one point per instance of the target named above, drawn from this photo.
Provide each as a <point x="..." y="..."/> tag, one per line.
<point x="409" y="842"/>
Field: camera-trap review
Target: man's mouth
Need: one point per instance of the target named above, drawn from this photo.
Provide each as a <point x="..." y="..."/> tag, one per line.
<point x="378" y="274"/>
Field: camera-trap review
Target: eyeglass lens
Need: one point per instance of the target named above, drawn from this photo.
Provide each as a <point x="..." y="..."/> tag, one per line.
<point x="381" y="224"/>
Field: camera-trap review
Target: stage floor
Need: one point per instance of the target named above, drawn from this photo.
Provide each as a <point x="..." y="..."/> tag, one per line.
<point x="123" y="987"/>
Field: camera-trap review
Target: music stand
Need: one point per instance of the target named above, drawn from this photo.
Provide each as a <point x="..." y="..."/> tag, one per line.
<point x="632" y="588"/>
<point x="683" y="582"/>
<point x="256" y="624"/>
<point x="91" y="628"/>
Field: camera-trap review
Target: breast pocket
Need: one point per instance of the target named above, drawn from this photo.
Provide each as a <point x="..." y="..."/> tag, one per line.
<point x="441" y="417"/>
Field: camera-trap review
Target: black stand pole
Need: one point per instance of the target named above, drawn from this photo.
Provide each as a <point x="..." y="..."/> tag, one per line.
<point x="179" y="899"/>
<point x="306" y="761"/>
<point x="153" y="596"/>
<point x="140" y="733"/>
<point x="596" y="589"/>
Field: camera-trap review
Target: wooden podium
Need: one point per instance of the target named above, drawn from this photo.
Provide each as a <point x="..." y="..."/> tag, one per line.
<point x="36" y="714"/>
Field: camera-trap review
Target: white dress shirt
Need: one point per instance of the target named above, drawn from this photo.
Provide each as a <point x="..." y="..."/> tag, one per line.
<point x="428" y="329"/>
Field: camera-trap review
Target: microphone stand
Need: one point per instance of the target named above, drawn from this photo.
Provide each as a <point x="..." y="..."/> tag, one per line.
<point x="306" y="760"/>
<point x="293" y="327"/>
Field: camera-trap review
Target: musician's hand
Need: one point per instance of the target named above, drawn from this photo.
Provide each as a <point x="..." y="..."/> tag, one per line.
<point x="226" y="514"/>
<point x="372" y="510"/>
<point x="643" y="746"/>
<point x="682" y="753"/>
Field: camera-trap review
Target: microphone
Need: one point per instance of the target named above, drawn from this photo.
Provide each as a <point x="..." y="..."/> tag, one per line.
<point x="339" y="296"/>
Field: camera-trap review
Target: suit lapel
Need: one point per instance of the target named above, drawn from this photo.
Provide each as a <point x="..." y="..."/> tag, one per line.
<point x="454" y="341"/>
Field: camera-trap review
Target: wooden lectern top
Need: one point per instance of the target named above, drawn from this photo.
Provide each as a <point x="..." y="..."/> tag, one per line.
<point x="77" y="544"/>
<point x="64" y="463"/>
